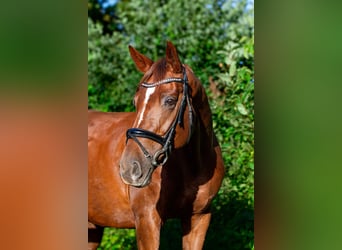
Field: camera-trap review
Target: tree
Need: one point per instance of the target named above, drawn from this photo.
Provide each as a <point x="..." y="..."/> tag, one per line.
<point x="99" y="11"/>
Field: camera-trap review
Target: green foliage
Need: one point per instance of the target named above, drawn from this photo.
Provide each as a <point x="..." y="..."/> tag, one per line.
<point x="216" y="39"/>
<point x="118" y="239"/>
<point x="110" y="82"/>
<point x="99" y="11"/>
<point x="199" y="28"/>
<point x="233" y="119"/>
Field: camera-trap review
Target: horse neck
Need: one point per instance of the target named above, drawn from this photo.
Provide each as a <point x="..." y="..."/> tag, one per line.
<point x="200" y="152"/>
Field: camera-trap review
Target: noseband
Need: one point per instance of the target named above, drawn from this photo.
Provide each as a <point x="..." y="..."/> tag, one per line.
<point x="167" y="140"/>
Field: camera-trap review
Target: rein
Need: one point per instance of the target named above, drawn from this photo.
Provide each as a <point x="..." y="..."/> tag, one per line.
<point x="167" y="140"/>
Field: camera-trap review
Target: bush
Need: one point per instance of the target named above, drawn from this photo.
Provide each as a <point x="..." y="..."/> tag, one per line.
<point x="232" y="102"/>
<point x="110" y="82"/>
<point x="118" y="239"/>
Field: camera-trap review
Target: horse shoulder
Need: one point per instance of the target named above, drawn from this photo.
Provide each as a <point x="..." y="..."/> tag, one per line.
<point x="208" y="190"/>
<point x="108" y="203"/>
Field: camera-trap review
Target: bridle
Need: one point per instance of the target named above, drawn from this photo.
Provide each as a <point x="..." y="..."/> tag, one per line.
<point x="167" y="140"/>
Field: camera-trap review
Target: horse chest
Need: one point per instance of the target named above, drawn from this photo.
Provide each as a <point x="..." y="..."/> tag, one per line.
<point x="183" y="198"/>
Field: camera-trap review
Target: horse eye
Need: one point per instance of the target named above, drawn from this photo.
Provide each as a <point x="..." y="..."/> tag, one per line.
<point x="170" y="101"/>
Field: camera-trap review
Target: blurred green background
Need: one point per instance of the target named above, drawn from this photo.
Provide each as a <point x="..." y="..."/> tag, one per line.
<point x="216" y="38"/>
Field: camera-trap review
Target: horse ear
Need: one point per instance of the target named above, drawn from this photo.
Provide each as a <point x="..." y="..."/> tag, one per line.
<point x="172" y="58"/>
<point x="143" y="63"/>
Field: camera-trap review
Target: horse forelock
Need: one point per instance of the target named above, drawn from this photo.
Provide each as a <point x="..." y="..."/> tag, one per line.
<point x="158" y="71"/>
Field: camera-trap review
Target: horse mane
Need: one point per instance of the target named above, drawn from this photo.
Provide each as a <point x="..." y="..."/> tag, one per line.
<point x="201" y="105"/>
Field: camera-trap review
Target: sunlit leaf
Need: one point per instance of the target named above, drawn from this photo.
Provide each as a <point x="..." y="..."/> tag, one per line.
<point x="241" y="108"/>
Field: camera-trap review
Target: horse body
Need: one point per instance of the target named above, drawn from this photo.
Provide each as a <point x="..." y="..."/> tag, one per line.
<point x="133" y="182"/>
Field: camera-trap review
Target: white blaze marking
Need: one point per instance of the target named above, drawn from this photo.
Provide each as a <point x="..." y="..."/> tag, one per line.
<point x="148" y="93"/>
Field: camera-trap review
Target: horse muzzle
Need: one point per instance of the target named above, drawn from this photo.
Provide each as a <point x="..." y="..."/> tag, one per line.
<point x="133" y="173"/>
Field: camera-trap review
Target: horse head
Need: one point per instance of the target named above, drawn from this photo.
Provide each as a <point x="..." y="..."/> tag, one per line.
<point x="164" y="115"/>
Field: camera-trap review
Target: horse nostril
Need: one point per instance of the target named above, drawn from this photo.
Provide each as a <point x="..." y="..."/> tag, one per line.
<point x="136" y="170"/>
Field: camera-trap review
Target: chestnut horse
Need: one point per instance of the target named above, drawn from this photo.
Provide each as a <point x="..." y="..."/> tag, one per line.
<point x="162" y="161"/>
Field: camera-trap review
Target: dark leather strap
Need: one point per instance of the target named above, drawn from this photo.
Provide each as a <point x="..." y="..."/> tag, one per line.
<point x="137" y="132"/>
